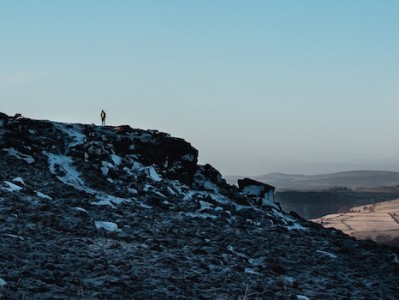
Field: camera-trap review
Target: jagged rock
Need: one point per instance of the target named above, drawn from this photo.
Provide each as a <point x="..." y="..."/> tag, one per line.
<point x="262" y="192"/>
<point x="123" y="213"/>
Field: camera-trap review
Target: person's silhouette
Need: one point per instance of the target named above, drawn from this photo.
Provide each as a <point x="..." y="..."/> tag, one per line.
<point x="103" y="115"/>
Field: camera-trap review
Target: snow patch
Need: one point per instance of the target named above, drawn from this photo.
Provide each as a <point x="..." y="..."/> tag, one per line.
<point x="44" y="196"/>
<point x="220" y="199"/>
<point x="328" y="254"/>
<point x="170" y="191"/>
<point x="117" y="160"/>
<point x="188" y="196"/>
<point x="290" y="222"/>
<point x="296" y="226"/>
<point x="81" y="209"/>
<point x="153" y="174"/>
<point x="72" y="176"/>
<point x="108" y="226"/>
<point x="104" y="170"/>
<point x="14" y="236"/>
<point x="204" y="205"/>
<point x="2" y="282"/>
<point x="257" y="261"/>
<point x="72" y="131"/>
<point x="103" y="203"/>
<point x="230" y="248"/>
<point x="11" y="151"/>
<point x="105" y="199"/>
<point x="200" y="215"/>
<point x="148" y="187"/>
<point x="133" y="191"/>
<point x="11" y="187"/>
<point x="250" y="271"/>
<point x="160" y="194"/>
<point x="19" y="180"/>
<point x="179" y="187"/>
<point x="145" y="206"/>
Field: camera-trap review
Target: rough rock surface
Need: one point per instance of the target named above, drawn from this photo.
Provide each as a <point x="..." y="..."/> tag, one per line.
<point x="90" y="212"/>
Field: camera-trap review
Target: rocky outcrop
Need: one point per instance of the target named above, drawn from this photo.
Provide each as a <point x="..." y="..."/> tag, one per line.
<point x="91" y="212"/>
<point x="262" y="192"/>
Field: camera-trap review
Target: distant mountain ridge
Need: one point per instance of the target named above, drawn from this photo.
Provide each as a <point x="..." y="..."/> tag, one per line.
<point x="349" y="179"/>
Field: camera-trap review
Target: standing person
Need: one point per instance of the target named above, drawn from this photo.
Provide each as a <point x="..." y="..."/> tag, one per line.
<point x="103" y="115"/>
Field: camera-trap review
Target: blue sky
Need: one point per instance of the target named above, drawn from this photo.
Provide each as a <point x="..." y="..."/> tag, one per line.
<point x="257" y="86"/>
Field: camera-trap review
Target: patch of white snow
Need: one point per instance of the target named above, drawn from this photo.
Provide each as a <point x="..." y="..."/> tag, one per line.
<point x="81" y="209"/>
<point x="257" y="261"/>
<point x="230" y="248"/>
<point x="14" y="236"/>
<point x="11" y="151"/>
<point x="250" y="271"/>
<point x="188" y="196"/>
<point x="328" y="254"/>
<point x="19" y="180"/>
<point x="73" y="131"/>
<point x="133" y="191"/>
<point x="145" y="206"/>
<point x="44" y="196"/>
<point x="105" y="199"/>
<point x="204" y="205"/>
<point x="108" y="226"/>
<point x="153" y="174"/>
<point x="296" y="226"/>
<point x="116" y="159"/>
<point x="200" y="215"/>
<point x="11" y="187"/>
<point x="170" y="191"/>
<point x="2" y="282"/>
<point x="104" y="170"/>
<point x="72" y="176"/>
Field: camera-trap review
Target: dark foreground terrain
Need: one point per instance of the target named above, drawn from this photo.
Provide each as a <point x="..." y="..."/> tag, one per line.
<point x="91" y="212"/>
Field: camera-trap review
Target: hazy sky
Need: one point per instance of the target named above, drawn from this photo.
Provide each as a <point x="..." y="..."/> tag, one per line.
<point x="306" y="86"/>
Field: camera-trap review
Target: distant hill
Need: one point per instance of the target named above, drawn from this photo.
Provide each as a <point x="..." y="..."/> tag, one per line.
<point x="341" y="180"/>
<point x="378" y="222"/>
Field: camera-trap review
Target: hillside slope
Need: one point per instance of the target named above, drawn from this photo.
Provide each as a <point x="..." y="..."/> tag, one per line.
<point x="92" y="212"/>
<point x="379" y="222"/>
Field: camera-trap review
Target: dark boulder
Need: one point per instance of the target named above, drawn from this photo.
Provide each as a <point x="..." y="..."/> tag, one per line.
<point x="263" y="193"/>
<point x="213" y="175"/>
<point x="246" y="183"/>
<point x="176" y="156"/>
